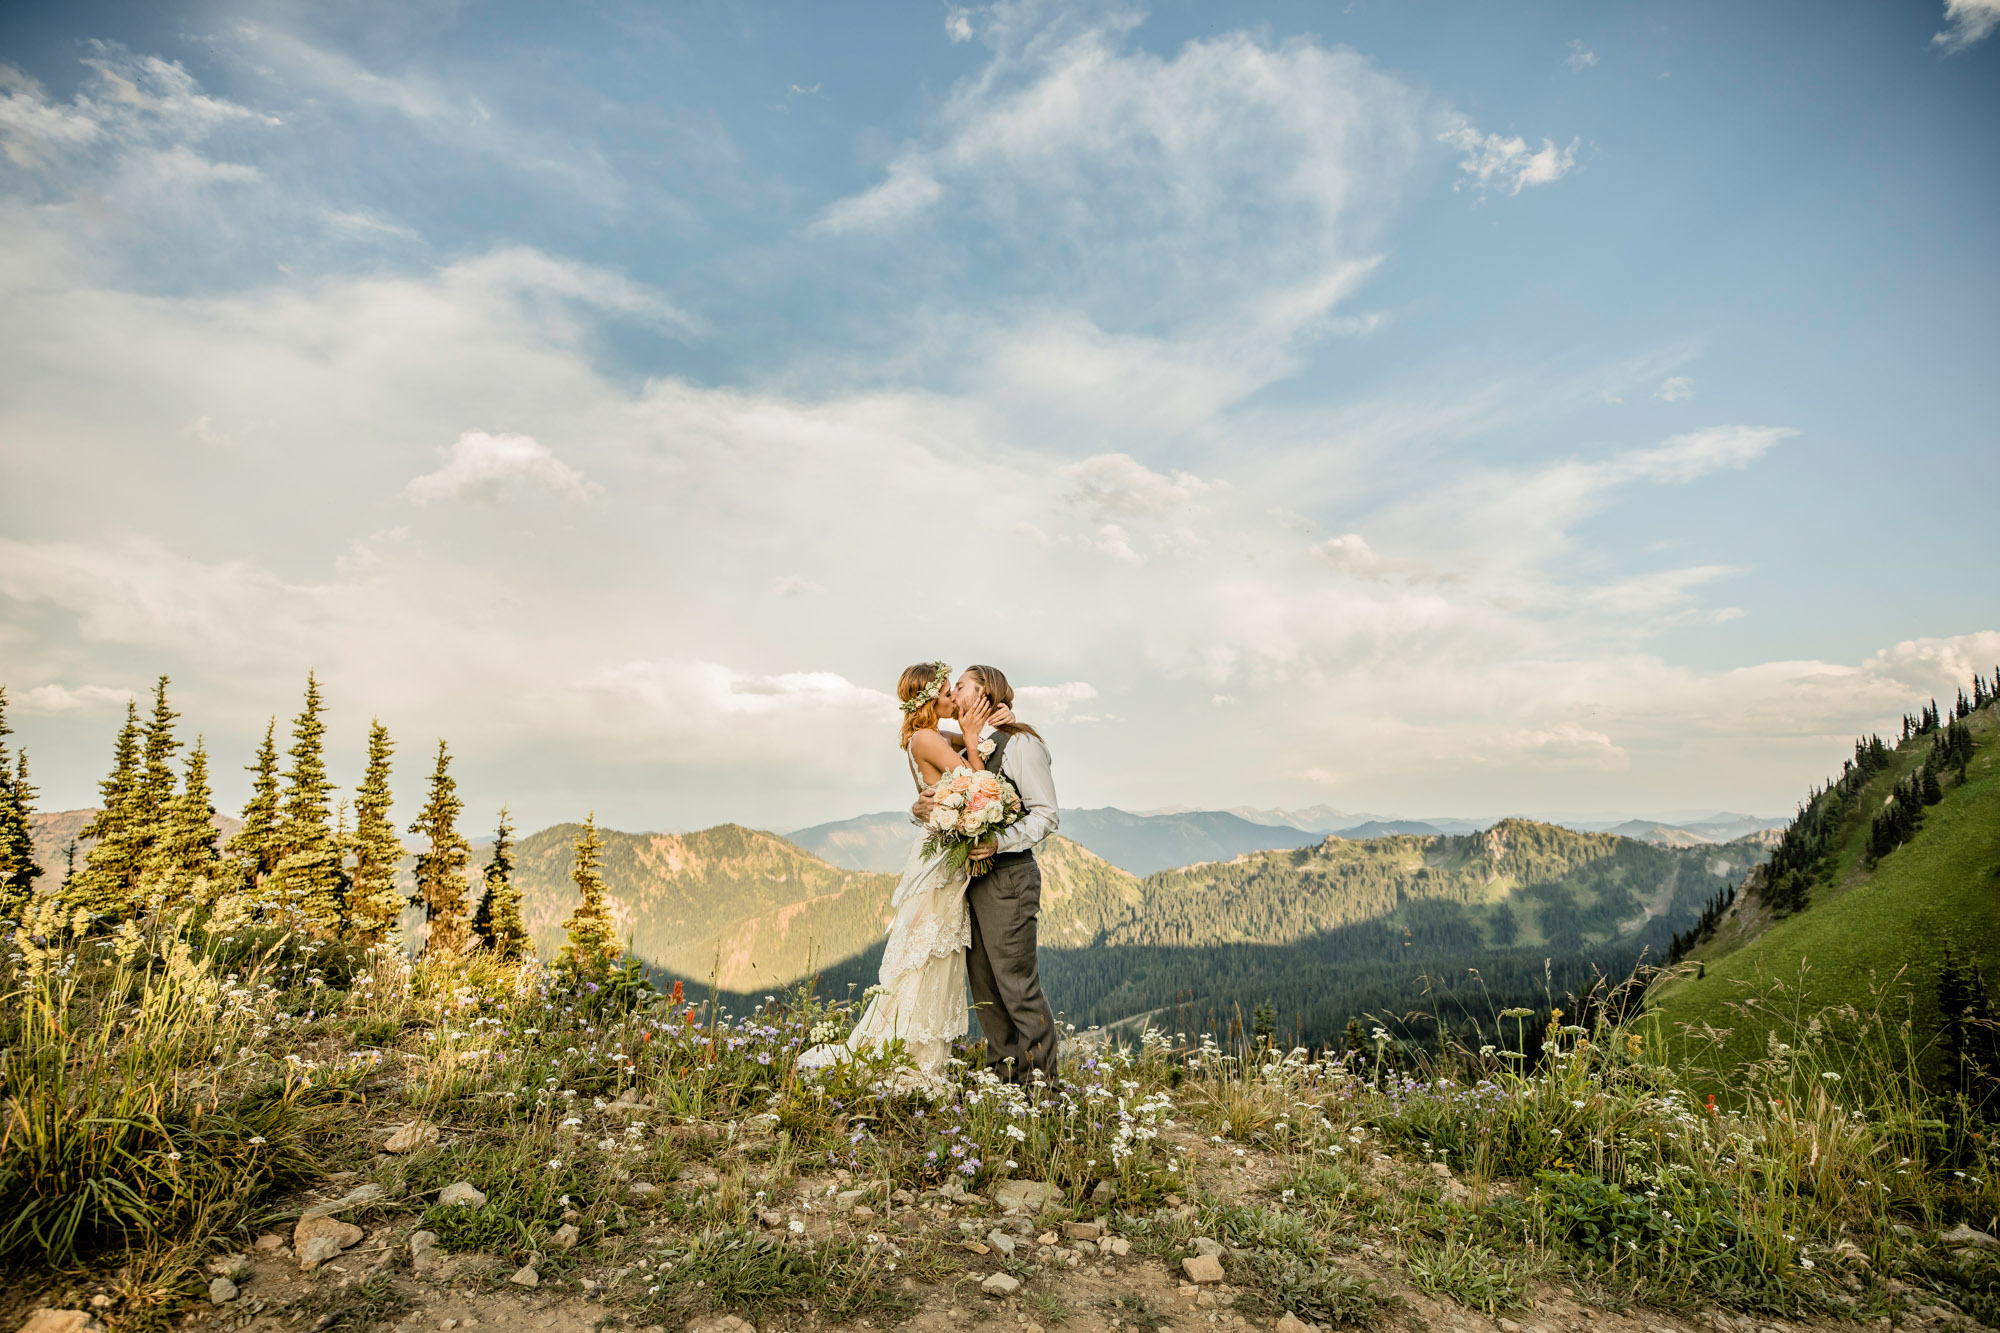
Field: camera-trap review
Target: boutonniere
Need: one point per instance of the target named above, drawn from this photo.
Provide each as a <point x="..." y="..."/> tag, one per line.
<point x="986" y="748"/>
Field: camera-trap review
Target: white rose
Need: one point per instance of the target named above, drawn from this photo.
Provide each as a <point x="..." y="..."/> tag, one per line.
<point x="986" y="747"/>
<point x="941" y="818"/>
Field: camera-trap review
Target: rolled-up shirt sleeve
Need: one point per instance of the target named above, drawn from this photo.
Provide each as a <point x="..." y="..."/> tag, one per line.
<point x="1027" y="767"/>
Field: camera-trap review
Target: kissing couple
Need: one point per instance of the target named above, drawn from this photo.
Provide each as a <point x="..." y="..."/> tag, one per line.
<point x="955" y="923"/>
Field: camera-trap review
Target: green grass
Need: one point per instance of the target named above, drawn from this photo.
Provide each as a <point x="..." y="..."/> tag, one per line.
<point x="1870" y="937"/>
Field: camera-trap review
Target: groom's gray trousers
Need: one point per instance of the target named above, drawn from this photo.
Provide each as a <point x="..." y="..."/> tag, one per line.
<point x="1006" y="984"/>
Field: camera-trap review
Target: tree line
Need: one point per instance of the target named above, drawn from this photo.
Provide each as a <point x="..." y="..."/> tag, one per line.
<point x="295" y="864"/>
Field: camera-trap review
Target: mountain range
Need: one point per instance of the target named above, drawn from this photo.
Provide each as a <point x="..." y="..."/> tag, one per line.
<point x="1145" y="842"/>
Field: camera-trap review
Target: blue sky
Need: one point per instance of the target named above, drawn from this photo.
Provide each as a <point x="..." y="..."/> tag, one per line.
<point x="1417" y="408"/>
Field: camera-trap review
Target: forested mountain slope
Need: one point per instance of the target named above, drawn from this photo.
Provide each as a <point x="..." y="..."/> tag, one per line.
<point x="1861" y="924"/>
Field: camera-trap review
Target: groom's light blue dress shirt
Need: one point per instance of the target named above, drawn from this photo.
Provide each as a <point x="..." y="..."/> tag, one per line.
<point x="1027" y="767"/>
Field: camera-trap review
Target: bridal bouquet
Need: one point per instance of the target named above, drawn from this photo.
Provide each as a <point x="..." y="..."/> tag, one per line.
<point x="968" y="806"/>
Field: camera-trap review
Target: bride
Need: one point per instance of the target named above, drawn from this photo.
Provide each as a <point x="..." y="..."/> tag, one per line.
<point x="921" y="998"/>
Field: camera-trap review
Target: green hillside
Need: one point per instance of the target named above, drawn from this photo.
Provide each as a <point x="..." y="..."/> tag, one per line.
<point x="1866" y="929"/>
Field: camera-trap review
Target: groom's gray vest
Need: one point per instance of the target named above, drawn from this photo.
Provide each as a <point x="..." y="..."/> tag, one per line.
<point x="1000" y="739"/>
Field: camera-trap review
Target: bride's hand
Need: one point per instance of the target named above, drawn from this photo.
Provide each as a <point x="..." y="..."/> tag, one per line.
<point x="973" y="719"/>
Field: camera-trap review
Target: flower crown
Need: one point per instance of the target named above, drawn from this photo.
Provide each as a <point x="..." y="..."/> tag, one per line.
<point x="930" y="691"/>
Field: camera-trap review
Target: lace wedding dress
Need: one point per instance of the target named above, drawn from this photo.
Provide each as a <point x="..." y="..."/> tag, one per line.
<point x="922" y="995"/>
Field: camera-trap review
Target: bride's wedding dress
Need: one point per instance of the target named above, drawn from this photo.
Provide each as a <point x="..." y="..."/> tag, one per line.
<point x="922" y="994"/>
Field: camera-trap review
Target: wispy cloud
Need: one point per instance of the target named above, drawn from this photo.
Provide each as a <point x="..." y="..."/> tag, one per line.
<point x="1580" y="57"/>
<point x="1674" y="389"/>
<point x="1507" y="163"/>
<point x="480" y="466"/>
<point x="1966" y="22"/>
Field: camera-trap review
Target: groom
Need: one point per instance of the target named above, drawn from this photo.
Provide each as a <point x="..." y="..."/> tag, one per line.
<point x="1001" y="967"/>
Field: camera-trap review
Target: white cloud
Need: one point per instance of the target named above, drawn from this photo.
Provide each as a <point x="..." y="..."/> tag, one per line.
<point x="791" y="585"/>
<point x="1351" y="554"/>
<point x="1498" y="162"/>
<point x="1122" y="485"/>
<point x="1580" y="57"/>
<point x="1566" y="742"/>
<point x="68" y="699"/>
<point x="958" y="24"/>
<point x="1697" y="453"/>
<point x="1674" y="389"/>
<point x="909" y="190"/>
<point x="1051" y="703"/>
<point x="479" y="466"/>
<point x="1967" y="21"/>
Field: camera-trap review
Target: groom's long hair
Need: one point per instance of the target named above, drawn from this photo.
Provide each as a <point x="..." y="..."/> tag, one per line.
<point x="994" y="682"/>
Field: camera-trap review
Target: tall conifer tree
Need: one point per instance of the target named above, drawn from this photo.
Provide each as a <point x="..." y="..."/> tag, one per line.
<point x="156" y="775"/>
<point x="18" y="870"/>
<point x="592" y="947"/>
<point x="185" y="866"/>
<point x="106" y="886"/>
<point x="311" y="879"/>
<point x="497" y="924"/>
<point x="374" y="904"/>
<point x="255" y="848"/>
<point x="441" y="865"/>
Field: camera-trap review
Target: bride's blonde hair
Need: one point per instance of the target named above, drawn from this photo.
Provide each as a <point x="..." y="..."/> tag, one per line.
<point x="913" y="682"/>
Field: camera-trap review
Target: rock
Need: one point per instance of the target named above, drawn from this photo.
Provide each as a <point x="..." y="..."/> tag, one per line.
<point x="270" y="1241"/>
<point x="51" y="1320"/>
<point x="643" y="1190"/>
<point x="1088" y="1249"/>
<point x="418" y="1134"/>
<point x="1118" y="1246"/>
<point x="1509" y="1326"/>
<point x="317" y="1251"/>
<point x="358" y="1197"/>
<point x="526" y="1277"/>
<point x="863" y="1212"/>
<point x="424" y="1254"/>
<point x="235" y="1267"/>
<point x="221" y="1291"/>
<point x="770" y="1218"/>
<point x="1202" y="1268"/>
<point x="461" y="1192"/>
<point x="727" y="1323"/>
<point x="1000" y="1284"/>
<point x="848" y="1198"/>
<point x="566" y="1237"/>
<point x="1046" y="1238"/>
<point x="1203" y="1245"/>
<point x="903" y="1198"/>
<point x="1082" y="1230"/>
<point x="629" y="1097"/>
<point x="1291" y="1323"/>
<point x="1028" y="1195"/>
<point x="345" y="1235"/>
<point x="1963" y="1235"/>
<point x="1001" y="1241"/>
<point x="1106" y="1192"/>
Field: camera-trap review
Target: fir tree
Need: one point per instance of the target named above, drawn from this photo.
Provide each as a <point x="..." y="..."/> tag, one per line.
<point x="255" y="848"/>
<point x="106" y="886"/>
<point x="156" y="775"/>
<point x="592" y="947"/>
<point x="309" y="876"/>
<point x="1264" y="1024"/>
<point x="441" y="869"/>
<point x="497" y="924"/>
<point x="374" y="903"/>
<point x="18" y="870"/>
<point x="183" y="863"/>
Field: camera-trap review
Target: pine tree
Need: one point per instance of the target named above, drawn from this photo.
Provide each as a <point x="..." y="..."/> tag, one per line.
<point x="374" y="903"/>
<point x="18" y="870"/>
<point x="441" y="869"/>
<point x="1264" y="1024"/>
<point x="106" y="887"/>
<point x="156" y="775"/>
<point x="592" y="947"/>
<point x="255" y="848"/>
<point x="497" y="925"/>
<point x="184" y="868"/>
<point x="310" y="878"/>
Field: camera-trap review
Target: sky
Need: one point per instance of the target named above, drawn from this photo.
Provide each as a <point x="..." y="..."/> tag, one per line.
<point x="1440" y="408"/>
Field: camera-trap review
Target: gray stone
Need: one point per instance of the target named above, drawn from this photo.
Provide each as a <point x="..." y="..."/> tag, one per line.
<point x="526" y="1277"/>
<point x="1106" y="1192"/>
<point x="410" y="1138"/>
<point x="461" y="1192"/>
<point x="1963" y="1235"/>
<point x="1202" y="1269"/>
<point x="221" y="1291"/>
<point x="1001" y="1241"/>
<point x="1000" y="1284"/>
<point x="345" y="1235"/>
<point x="51" y="1320"/>
<point x="1291" y="1323"/>
<point x="1088" y="1249"/>
<point x="643" y="1190"/>
<point x="1082" y="1230"/>
<point x="317" y="1251"/>
<point x="235" y="1267"/>
<point x="566" y="1237"/>
<point x="424" y="1254"/>
<point x="1029" y="1195"/>
<point x="358" y="1197"/>
<point x="1203" y="1245"/>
